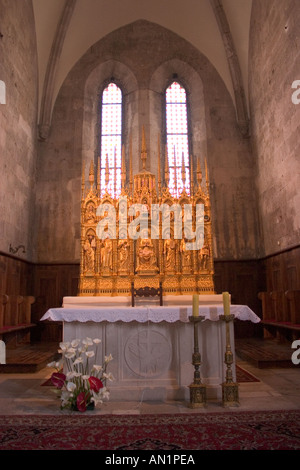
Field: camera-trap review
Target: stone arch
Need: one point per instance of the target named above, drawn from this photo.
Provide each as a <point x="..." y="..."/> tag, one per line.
<point x="145" y="54"/>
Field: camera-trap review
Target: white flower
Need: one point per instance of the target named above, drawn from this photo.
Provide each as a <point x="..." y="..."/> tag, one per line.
<point x="64" y="345"/>
<point x="75" y="343"/>
<point x="97" y="368"/>
<point x="59" y="364"/>
<point x="87" y="342"/>
<point x="56" y="365"/>
<point x="71" y="387"/>
<point x="70" y="355"/>
<point x="104" y="392"/>
<point x="85" y="377"/>
<point x="97" y="340"/>
<point x="108" y="376"/>
<point x="72" y="374"/>
<point x="51" y="364"/>
<point x="90" y="353"/>
<point x="108" y="358"/>
<point x="96" y="400"/>
<point x="98" y="397"/>
<point x="79" y="360"/>
<point x="65" y="396"/>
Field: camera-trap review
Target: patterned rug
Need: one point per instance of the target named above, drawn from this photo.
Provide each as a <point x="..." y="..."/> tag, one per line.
<point x="267" y="430"/>
<point x="242" y="375"/>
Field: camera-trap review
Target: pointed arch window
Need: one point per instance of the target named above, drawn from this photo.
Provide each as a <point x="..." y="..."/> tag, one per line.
<point x="177" y="139"/>
<point x="111" y="140"/>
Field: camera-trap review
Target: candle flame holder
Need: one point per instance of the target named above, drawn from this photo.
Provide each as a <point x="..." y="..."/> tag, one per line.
<point x="197" y="389"/>
<point x="230" y="390"/>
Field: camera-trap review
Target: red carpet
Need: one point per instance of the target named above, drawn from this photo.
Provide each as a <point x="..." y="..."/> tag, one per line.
<point x="267" y="430"/>
<point x="242" y="375"/>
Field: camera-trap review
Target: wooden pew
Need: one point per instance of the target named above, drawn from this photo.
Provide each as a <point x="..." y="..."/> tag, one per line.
<point x="25" y="310"/>
<point x="281" y="314"/>
<point x="15" y="319"/>
<point x="293" y="298"/>
<point x="3" y="302"/>
<point x="267" y="312"/>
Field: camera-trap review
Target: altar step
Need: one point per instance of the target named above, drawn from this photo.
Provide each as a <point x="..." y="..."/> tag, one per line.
<point x="264" y="353"/>
<point x="29" y="358"/>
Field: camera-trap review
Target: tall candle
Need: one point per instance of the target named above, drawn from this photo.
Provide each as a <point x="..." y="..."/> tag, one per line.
<point x="226" y="303"/>
<point x="195" y="305"/>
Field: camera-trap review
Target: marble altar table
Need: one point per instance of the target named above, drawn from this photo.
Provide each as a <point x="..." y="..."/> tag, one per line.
<point x="152" y="346"/>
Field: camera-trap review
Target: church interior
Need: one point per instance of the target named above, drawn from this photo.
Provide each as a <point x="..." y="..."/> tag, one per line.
<point x="128" y="107"/>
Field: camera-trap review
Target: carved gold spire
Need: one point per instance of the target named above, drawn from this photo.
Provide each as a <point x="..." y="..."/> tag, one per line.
<point x="183" y="175"/>
<point x="167" y="173"/>
<point x="91" y="175"/>
<point x="115" y="173"/>
<point x="106" y="172"/>
<point x="144" y="149"/>
<point x="206" y="176"/>
<point x="99" y="177"/>
<point x="175" y="174"/>
<point x="158" y="166"/>
<point x="83" y="180"/>
<point x="192" y="176"/>
<point x="123" y="169"/>
<point x="199" y="173"/>
<point x="130" y="167"/>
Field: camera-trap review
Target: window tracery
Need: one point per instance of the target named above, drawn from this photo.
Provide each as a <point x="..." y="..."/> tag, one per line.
<point x="111" y="140"/>
<point x="177" y="139"/>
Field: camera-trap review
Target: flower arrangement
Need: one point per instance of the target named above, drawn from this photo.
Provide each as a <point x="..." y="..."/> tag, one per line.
<point x="81" y="385"/>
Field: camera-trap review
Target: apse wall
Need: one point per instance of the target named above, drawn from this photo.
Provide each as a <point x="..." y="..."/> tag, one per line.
<point x="143" y="57"/>
<point x="273" y="67"/>
<point x="18" y="118"/>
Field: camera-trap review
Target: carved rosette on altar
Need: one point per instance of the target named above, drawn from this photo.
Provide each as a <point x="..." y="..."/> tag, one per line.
<point x="111" y="263"/>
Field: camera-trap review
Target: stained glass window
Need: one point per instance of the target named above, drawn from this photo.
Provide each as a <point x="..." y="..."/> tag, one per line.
<point x="177" y="138"/>
<point x="111" y="139"/>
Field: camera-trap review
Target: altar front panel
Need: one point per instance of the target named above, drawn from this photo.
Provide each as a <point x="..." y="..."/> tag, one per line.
<point x="153" y="361"/>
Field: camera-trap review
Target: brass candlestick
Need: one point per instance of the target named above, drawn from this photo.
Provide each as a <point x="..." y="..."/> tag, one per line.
<point x="197" y="389"/>
<point x="230" y="391"/>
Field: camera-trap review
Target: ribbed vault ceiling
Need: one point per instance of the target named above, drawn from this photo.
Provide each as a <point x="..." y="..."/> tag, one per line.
<point x="91" y="20"/>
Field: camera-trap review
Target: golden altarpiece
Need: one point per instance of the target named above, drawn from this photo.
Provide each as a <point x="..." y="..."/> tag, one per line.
<point x="109" y="265"/>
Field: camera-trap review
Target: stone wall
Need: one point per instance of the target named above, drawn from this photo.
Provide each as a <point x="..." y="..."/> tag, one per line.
<point x="273" y="67"/>
<point x="142" y="57"/>
<point x="18" y="117"/>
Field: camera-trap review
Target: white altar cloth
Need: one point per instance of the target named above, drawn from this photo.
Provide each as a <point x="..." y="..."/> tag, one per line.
<point x="146" y="314"/>
<point x="152" y="347"/>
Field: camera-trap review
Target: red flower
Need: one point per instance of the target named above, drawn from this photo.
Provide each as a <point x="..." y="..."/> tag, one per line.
<point x="95" y="384"/>
<point x="81" y="401"/>
<point x="58" y="379"/>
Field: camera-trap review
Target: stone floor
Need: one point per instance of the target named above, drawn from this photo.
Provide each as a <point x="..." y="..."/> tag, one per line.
<point x="277" y="389"/>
